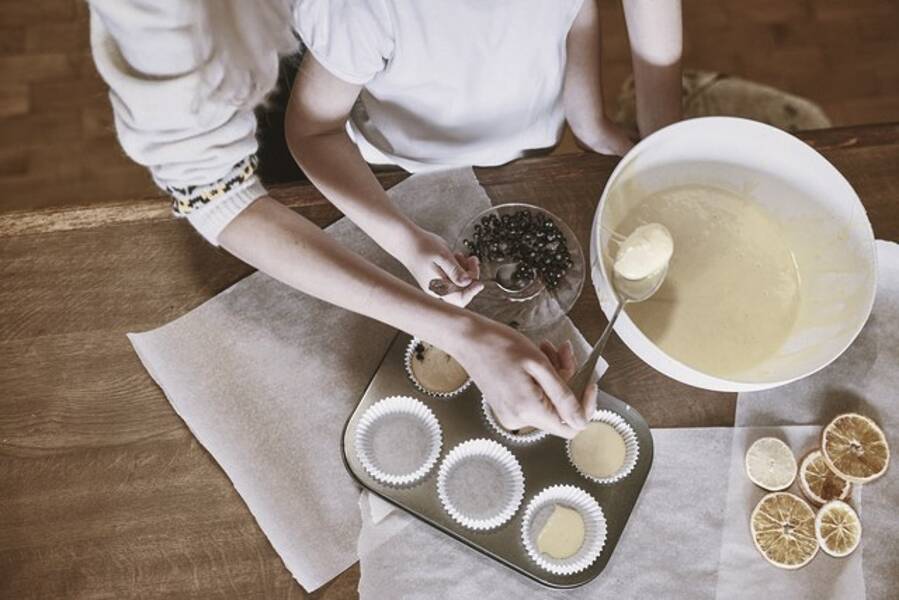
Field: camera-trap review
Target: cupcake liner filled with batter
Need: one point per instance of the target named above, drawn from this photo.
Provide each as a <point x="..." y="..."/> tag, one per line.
<point x="433" y="371"/>
<point x="398" y="440"/>
<point x="480" y="484"/>
<point x="606" y="450"/>
<point x="563" y="529"/>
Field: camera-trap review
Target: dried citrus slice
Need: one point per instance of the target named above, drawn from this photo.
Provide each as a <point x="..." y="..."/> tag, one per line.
<point x="770" y="464"/>
<point x="783" y="530"/>
<point x="855" y="448"/>
<point x="818" y="483"/>
<point x="838" y="528"/>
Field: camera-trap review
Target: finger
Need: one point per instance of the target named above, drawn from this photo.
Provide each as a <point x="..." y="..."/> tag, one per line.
<point x="566" y="366"/>
<point x="508" y="422"/>
<point x="545" y="418"/>
<point x="568" y="407"/>
<point x="471" y="264"/>
<point x="474" y="266"/>
<point x="453" y="270"/>
<point x="549" y="350"/>
<point x="589" y="400"/>
<point x="468" y="294"/>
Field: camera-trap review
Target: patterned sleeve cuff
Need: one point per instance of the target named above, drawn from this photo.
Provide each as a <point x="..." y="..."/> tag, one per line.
<point x="186" y="200"/>
<point x="212" y="218"/>
<point x="209" y="208"/>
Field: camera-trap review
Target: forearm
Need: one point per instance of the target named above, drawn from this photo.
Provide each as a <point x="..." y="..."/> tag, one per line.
<point x="582" y="89"/>
<point x="655" y="31"/>
<point x="332" y="162"/>
<point x="286" y="246"/>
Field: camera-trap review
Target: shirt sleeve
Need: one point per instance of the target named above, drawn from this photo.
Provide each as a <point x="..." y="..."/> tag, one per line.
<point x="353" y="39"/>
<point x="198" y="147"/>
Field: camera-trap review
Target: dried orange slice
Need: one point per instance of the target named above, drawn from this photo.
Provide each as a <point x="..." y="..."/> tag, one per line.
<point x="838" y="528"/>
<point x="855" y="448"/>
<point x="770" y="464"/>
<point x="818" y="483"/>
<point x="783" y="530"/>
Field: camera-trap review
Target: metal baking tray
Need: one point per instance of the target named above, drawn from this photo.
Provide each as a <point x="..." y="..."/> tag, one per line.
<point x="544" y="463"/>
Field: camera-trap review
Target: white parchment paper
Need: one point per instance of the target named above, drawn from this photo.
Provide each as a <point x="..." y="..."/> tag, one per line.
<point x="670" y="547"/>
<point x="688" y="536"/>
<point x="266" y="376"/>
<point x="864" y="379"/>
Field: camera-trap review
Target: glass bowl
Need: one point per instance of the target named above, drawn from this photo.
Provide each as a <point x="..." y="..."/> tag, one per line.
<point x="514" y="293"/>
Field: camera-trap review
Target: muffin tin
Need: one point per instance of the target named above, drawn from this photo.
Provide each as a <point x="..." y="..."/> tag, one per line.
<point x="544" y="463"/>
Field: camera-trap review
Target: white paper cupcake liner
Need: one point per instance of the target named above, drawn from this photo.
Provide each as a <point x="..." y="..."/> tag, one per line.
<point x="594" y="528"/>
<point x="631" y="447"/>
<point x="407" y="363"/>
<point x="388" y="408"/>
<point x="510" y="436"/>
<point x="513" y="490"/>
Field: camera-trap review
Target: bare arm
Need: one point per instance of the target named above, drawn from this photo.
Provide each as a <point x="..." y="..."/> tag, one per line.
<point x="582" y="92"/>
<point x="655" y="32"/>
<point x="518" y="380"/>
<point x="288" y="247"/>
<point x="319" y="106"/>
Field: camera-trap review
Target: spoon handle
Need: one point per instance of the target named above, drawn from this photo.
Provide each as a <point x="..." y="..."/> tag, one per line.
<point x="442" y="287"/>
<point x="584" y="375"/>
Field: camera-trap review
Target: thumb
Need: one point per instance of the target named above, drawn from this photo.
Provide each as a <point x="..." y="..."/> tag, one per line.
<point x="453" y="270"/>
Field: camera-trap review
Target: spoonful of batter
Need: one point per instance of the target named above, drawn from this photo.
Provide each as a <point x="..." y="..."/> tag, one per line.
<point x="638" y="272"/>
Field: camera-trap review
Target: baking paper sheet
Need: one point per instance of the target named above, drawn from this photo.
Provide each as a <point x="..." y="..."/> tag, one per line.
<point x="265" y="377"/>
<point x="864" y="379"/>
<point x="669" y="548"/>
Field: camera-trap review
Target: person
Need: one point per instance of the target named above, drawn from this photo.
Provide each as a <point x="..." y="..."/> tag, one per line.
<point x="184" y="78"/>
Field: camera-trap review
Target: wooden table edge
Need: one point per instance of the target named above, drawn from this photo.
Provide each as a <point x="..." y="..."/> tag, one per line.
<point x="303" y="194"/>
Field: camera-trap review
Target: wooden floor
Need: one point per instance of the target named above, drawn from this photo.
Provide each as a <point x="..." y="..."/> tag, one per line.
<point x="58" y="148"/>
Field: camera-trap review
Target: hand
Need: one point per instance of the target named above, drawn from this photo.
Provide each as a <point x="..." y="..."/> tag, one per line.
<point x="563" y="360"/>
<point x="429" y="258"/>
<point x="519" y="382"/>
<point x="610" y="138"/>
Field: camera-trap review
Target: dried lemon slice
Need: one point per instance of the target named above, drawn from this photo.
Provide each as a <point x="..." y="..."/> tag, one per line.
<point x="838" y="528"/>
<point x="770" y="464"/>
<point x="818" y="483"/>
<point x="855" y="448"/>
<point x="783" y="530"/>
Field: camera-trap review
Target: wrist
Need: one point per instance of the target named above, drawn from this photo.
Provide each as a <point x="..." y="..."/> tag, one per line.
<point x="451" y="328"/>
<point x="403" y="241"/>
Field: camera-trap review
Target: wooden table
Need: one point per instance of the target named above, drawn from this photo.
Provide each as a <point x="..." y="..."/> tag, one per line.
<point x="104" y="493"/>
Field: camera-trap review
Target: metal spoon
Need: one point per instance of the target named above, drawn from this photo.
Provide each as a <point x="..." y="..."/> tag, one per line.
<point x="503" y="279"/>
<point x="628" y="291"/>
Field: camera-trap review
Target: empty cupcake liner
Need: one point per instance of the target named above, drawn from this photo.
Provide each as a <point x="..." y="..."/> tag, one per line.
<point x="594" y="528"/>
<point x="512" y="491"/>
<point x="407" y="363"/>
<point x="631" y="447"/>
<point x="510" y="436"/>
<point x="381" y="412"/>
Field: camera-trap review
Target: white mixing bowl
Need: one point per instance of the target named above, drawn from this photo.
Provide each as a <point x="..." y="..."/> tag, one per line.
<point x="795" y="185"/>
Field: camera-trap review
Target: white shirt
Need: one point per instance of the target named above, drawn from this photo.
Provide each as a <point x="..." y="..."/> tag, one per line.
<point x="149" y="52"/>
<point x="445" y="82"/>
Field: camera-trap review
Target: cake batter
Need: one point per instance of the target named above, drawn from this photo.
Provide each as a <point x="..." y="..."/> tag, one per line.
<point x="563" y="534"/>
<point x="437" y="371"/>
<point x="598" y="450"/>
<point x="731" y="296"/>
<point x="645" y="252"/>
